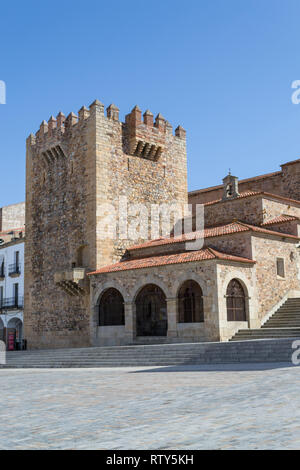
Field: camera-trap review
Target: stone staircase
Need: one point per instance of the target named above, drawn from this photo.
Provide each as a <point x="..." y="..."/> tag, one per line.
<point x="278" y="350"/>
<point x="284" y="323"/>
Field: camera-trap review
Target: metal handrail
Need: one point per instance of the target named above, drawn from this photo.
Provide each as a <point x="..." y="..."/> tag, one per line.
<point x="12" y="302"/>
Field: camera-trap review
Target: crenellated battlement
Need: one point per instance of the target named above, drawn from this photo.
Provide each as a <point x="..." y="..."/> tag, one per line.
<point x="58" y="128"/>
<point x="146" y="137"/>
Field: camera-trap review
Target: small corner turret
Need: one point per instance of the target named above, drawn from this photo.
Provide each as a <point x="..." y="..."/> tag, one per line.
<point x="148" y="138"/>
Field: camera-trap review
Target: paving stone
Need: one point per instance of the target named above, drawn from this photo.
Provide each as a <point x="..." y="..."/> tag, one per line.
<point x="241" y="406"/>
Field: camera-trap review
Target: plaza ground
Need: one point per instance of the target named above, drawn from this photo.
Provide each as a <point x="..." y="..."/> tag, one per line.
<point x="188" y="407"/>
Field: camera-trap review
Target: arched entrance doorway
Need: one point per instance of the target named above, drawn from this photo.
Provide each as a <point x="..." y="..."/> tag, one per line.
<point x="151" y="312"/>
<point x="14" y="334"/>
<point x="236" y="301"/>
<point x="190" y="303"/>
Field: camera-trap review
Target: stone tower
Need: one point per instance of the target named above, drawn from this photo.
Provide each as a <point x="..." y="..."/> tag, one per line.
<point x="75" y="165"/>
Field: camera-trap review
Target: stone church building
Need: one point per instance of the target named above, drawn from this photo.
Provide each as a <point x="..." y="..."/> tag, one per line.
<point x="83" y="288"/>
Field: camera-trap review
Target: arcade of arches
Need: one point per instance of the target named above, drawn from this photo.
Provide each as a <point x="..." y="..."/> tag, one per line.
<point x="151" y="308"/>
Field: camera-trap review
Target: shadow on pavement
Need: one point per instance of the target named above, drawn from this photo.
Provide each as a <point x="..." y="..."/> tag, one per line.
<point x="218" y="367"/>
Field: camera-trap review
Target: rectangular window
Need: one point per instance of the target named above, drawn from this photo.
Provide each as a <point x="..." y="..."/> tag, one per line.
<point x="16" y="294"/>
<point x="1" y="297"/>
<point x="280" y="267"/>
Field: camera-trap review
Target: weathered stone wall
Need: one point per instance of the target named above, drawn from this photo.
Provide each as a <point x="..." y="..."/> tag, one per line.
<point x="283" y="183"/>
<point x="292" y="227"/>
<point x="12" y="216"/>
<point x="254" y="210"/>
<point x="290" y="183"/>
<point x="270" y="288"/>
<point x="273" y="208"/>
<point x="73" y="167"/>
<point x="238" y="244"/>
<point x="247" y="209"/>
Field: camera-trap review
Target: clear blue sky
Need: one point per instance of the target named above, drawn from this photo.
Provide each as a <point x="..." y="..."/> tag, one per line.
<point x="221" y="68"/>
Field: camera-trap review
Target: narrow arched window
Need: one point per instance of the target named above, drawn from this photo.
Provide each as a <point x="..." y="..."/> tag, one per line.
<point x="111" y="308"/>
<point x="236" y="301"/>
<point x="190" y="303"/>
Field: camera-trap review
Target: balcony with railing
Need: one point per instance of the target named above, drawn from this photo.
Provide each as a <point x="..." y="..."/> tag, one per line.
<point x="12" y="303"/>
<point x="14" y="269"/>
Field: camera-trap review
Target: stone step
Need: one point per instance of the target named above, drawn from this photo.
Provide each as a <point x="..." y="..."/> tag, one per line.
<point x="278" y="325"/>
<point x="156" y="357"/>
<point x="261" y="350"/>
<point x="285" y="317"/>
<point x="282" y="320"/>
<point x="137" y="355"/>
<point x="295" y="310"/>
<point x="285" y="322"/>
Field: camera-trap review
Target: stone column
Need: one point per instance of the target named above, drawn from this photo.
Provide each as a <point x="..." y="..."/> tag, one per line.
<point x="130" y="321"/>
<point x="172" y="316"/>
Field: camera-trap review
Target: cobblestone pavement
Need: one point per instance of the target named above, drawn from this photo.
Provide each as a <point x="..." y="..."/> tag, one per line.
<point x="197" y="407"/>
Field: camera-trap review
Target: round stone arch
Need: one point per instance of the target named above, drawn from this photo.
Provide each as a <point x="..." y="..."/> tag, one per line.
<point x="248" y="289"/>
<point x="150" y="279"/>
<point x="146" y="279"/>
<point x="104" y="286"/>
<point x="110" y="284"/>
<point x="189" y="276"/>
<point x="14" y="322"/>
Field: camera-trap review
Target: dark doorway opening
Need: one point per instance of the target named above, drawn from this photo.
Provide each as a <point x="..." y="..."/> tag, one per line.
<point x="151" y="312"/>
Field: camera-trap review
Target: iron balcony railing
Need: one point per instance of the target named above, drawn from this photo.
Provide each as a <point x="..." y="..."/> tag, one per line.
<point x="12" y="303"/>
<point x="14" y="269"/>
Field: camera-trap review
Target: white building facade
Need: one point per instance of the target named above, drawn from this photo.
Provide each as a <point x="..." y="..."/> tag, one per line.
<point x="12" y="290"/>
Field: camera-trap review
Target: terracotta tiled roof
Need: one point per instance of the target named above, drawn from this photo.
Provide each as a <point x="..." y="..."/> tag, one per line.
<point x="250" y="194"/>
<point x="280" y="220"/>
<point x="254" y="228"/>
<point x="241" y="196"/>
<point x="219" y="231"/>
<point x="246" y="180"/>
<point x="179" y="258"/>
